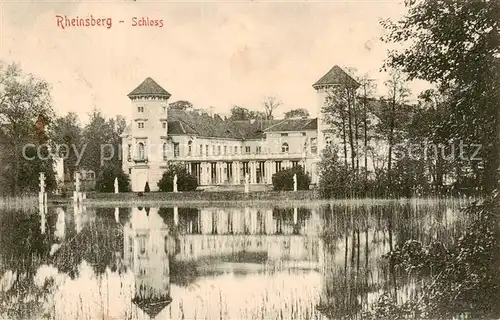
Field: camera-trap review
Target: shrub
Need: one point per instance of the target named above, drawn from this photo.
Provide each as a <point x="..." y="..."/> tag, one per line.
<point x="185" y="181"/>
<point x="283" y="180"/>
<point x="105" y="181"/>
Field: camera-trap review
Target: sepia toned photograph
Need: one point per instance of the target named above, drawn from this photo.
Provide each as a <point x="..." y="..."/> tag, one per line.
<point x="249" y="159"/>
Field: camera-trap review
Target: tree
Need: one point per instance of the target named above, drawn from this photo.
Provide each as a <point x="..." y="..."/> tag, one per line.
<point x="457" y="44"/>
<point x="270" y="105"/>
<point x="337" y="111"/>
<point x="185" y="180"/>
<point x="297" y="113"/>
<point x="102" y="141"/>
<point x="67" y="133"/>
<point x="240" y="113"/>
<point x="181" y="105"/>
<point x="243" y="114"/>
<point x="105" y="181"/>
<point x="367" y="90"/>
<point x="283" y="180"/>
<point x="25" y="113"/>
<point x="334" y="176"/>
<point x="396" y="98"/>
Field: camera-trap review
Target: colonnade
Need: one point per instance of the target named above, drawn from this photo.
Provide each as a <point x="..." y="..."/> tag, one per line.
<point x="233" y="172"/>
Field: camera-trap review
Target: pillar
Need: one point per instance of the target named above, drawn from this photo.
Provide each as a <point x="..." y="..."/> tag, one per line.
<point x="253" y="172"/>
<point x="217" y="173"/>
<point x="238" y="172"/>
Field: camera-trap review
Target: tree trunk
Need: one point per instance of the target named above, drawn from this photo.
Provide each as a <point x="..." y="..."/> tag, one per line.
<point x="344" y="140"/>
<point x="351" y="138"/>
<point x="391" y="141"/>
<point x="365" y="138"/>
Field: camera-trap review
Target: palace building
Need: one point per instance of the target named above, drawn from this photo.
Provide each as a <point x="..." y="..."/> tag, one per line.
<point x="219" y="151"/>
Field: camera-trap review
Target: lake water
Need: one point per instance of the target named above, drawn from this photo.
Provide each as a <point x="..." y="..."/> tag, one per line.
<point x="229" y="262"/>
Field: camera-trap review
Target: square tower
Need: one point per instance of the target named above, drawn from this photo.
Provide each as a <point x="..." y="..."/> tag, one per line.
<point x="334" y="82"/>
<point x="148" y="134"/>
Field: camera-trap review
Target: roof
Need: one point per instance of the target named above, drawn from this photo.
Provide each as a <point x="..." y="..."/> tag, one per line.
<point x="152" y="307"/>
<point x="202" y="124"/>
<point x="187" y="122"/>
<point x="336" y="76"/>
<point x="294" y="125"/>
<point x="149" y="87"/>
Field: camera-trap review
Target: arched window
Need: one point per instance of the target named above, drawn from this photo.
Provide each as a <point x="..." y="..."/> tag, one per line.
<point x="141" y="154"/>
<point x="165" y="148"/>
<point x="190" y="147"/>
<point x="284" y="148"/>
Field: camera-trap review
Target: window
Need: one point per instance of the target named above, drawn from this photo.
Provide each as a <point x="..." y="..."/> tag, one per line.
<point x="165" y="148"/>
<point x="284" y="148"/>
<point x="295" y="164"/>
<point x="200" y="149"/>
<point x="259" y="150"/>
<point x="164" y="125"/>
<point x="303" y="134"/>
<point x="247" y="149"/>
<point x="314" y="145"/>
<point x="236" y="150"/>
<point x="129" y="152"/>
<point x="140" y="125"/>
<point x="206" y="149"/>
<point x="284" y="134"/>
<point x="130" y="171"/>
<point x="164" y="110"/>
<point x="176" y="149"/>
<point x="190" y="147"/>
<point x="225" y="150"/>
<point x="218" y="150"/>
<point x="140" y="109"/>
<point x="141" y="154"/>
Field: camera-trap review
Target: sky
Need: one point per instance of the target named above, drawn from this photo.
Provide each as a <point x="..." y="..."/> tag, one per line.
<point x="218" y="54"/>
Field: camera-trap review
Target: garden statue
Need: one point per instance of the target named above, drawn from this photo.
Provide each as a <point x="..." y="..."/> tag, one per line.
<point x="175" y="183"/>
<point x="295" y="182"/>
<point x="42" y="202"/>
<point x="116" y="185"/>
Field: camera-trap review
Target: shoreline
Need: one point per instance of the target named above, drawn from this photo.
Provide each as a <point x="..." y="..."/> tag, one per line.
<point x="303" y="198"/>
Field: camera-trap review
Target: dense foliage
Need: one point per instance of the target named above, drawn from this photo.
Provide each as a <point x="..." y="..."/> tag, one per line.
<point x="185" y="180"/>
<point x="283" y="180"/>
<point x="456" y="45"/>
<point x="459" y="280"/>
<point x="105" y="181"/>
<point x="25" y="112"/>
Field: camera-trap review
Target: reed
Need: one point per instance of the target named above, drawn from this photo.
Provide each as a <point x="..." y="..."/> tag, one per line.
<point x="23" y="202"/>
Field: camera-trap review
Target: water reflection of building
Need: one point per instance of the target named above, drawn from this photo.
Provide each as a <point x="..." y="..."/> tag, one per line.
<point x="282" y="234"/>
<point x="146" y="252"/>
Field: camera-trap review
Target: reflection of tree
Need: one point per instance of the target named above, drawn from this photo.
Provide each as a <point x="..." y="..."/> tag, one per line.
<point x="98" y="244"/>
<point x="23" y="248"/>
